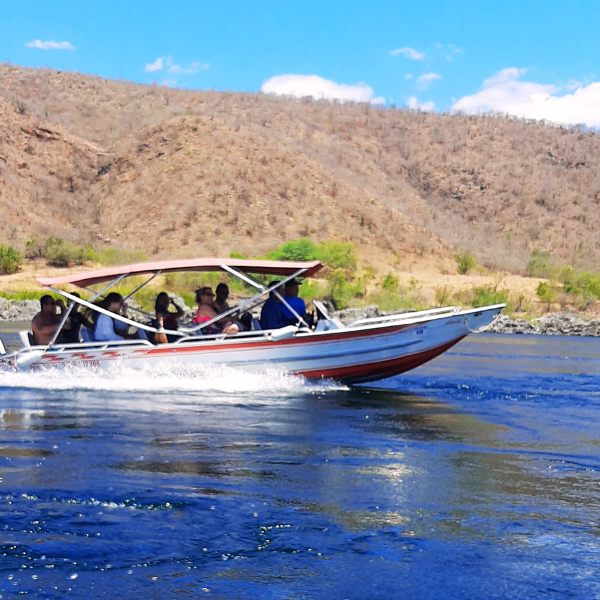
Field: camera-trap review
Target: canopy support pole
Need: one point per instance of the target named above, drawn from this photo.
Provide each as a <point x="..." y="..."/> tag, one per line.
<point x="70" y="308"/>
<point x="103" y="311"/>
<point x="244" y="277"/>
<point x="60" y="326"/>
<point x="141" y="312"/>
<point x="137" y="289"/>
<point x="273" y="289"/>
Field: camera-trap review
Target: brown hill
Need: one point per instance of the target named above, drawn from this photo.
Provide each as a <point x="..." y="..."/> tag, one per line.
<point x="175" y="172"/>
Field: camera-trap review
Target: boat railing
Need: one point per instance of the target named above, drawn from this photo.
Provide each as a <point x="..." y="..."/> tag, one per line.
<point x="403" y="316"/>
<point x="268" y="334"/>
<point x="219" y="336"/>
<point x="88" y="346"/>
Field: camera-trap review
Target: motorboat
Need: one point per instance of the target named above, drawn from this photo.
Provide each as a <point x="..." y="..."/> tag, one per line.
<point x="365" y="350"/>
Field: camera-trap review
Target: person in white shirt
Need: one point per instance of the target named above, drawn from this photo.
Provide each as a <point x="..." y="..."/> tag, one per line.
<point x="106" y="327"/>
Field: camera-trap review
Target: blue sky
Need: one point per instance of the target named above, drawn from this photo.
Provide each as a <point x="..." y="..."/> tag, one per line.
<point x="540" y="58"/>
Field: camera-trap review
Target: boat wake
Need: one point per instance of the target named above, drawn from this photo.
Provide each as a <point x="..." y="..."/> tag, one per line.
<point x="172" y="378"/>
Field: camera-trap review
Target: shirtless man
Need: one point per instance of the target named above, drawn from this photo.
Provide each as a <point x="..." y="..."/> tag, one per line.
<point x="220" y="302"/>
<point x="221" y="305"/>
<point x="46" y="322"/>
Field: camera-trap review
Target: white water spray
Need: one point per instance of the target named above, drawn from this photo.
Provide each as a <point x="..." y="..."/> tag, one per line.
<point x="171" y="378"/>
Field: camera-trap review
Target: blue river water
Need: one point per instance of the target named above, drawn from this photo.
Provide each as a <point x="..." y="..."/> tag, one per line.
<point x="475" y="476"/>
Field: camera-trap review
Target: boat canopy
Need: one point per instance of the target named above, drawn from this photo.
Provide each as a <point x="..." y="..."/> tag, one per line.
<point x="257" y="267"/>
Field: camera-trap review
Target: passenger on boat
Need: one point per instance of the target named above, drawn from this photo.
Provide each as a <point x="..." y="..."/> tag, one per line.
<point x="113" y="330"/>
<point x="46" y="322"/>
<point x="291" y="297"/>
<point x="160" y="337"/>
<point x="206" y="312"/>
<point x="78" y="319"/>
<point x="271" y="316"/>
<point x="221" y="305"/>
<point x="169" y="318"/>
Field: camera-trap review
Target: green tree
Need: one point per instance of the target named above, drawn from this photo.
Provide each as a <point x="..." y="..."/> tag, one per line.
<point x="390" y="282"/>
<point x="10" y="260"/>
<point x="60" y="253"/>
<point x="464" y="261"/>
<point x="339" y="255"/>
<point x="296" y="250"/>
<point x="486" y="295"/>
<point x="540" y="265"/>
<point x="546" y="292"/>
<point x="568" y="278"/>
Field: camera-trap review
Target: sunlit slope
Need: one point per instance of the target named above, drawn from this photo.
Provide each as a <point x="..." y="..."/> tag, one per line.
<point x="188" y="172"/>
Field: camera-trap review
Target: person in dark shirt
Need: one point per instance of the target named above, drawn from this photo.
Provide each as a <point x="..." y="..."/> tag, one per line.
<point x="271" y="316"/>
<point x="72" y="335"/>
<point x="291" y="297"/>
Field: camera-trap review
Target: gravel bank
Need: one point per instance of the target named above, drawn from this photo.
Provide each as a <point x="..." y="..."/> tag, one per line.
<point x="565" y="323"/>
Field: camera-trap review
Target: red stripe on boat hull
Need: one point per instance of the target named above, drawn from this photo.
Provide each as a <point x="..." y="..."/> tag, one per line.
<point x="233" y="344"/>
<point x="379" y="370"/>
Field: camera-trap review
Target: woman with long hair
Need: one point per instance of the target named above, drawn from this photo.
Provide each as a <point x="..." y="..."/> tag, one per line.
<point x="166" y="319"/>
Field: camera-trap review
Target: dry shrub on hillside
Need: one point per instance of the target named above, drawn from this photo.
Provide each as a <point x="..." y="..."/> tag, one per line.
<point x="207" y="171"/>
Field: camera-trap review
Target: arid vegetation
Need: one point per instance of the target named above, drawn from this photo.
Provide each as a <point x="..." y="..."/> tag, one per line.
<point x="10" y="260"/>
<point x="119" y="170"/>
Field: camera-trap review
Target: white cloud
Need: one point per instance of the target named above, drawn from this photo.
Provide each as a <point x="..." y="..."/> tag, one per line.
<point x="424" y="81"/>
<point x="169" y="82"/>
<point x="300" y="86"/>
<point x="573" y="84"/>
<point x="157" y="65"/>
<point x="168" y="64"/>
<point x="455" y="49"/>
<point x="50" y="45"/>
<point x="194" y="67"/>
<point x="409" y="76"/>
<point x="504" y="76"/>
<point x="413" y="104"/>
<point x="408" y="53"/>
<point x="505" y="93"/>
<point x="448" y="51"/>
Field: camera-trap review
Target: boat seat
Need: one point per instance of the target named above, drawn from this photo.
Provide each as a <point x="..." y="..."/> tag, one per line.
<point x="322" y="312"/>
<point x="328" y="324"/>
<point x="26" y="339"/>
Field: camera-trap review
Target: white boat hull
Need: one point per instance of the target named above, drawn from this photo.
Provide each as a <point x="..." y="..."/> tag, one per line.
<point x="371" y="350"/>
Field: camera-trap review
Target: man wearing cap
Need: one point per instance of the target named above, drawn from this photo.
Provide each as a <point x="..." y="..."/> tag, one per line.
<point x="291" y="297"/>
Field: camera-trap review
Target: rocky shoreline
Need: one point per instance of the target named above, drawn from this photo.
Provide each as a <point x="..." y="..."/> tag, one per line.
<point x="565" y="323"/>
<point x="18" y="310"/>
